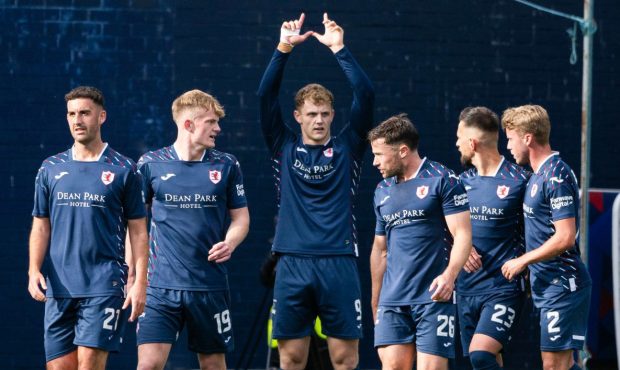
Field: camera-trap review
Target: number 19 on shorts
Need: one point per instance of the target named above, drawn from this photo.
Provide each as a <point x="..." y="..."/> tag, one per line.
<point x="223" y="321"/>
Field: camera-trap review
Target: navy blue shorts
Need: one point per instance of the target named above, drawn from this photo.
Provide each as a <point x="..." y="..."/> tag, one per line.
<point x="97" y="322"/>
<point x="206" y="315"/>
<point x="490" y="314"/>
<point x="430" y="326"/>
<point x="307" y="287"/>
<point x="564" y="320"/>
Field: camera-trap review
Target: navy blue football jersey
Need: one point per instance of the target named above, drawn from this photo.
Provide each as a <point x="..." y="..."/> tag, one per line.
<point x="88" y="204"/>
<point x="496" y="209"/>
<point x="316" y="183"/>
<point x="552" y="194"/>
<point x="412" y="216"/>
<point x="189" y="202"/>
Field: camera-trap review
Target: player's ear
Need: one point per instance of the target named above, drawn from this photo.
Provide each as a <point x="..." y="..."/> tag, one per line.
<point x="473" y="143"/>
<point x="297" y="115"/>
<point x="188" y="125"/>
<point x="102" y="116"/>
<point x="403" y="150"/>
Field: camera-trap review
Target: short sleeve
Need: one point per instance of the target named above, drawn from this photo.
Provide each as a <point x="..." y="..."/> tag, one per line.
<point x="453" y="195"/>
<point x="41" y="194"/>
<point x="133" y="199"/>
<point x="236" y="192"/>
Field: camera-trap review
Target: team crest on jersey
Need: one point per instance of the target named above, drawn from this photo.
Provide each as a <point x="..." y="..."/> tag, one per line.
<point x="502" y="191"/>
<point x="107" y="177"/>
<point x="215" y="176"/>
<point x="422" y="191"/>
<point x="534" y="190"/>
<point x="329" y="152"/>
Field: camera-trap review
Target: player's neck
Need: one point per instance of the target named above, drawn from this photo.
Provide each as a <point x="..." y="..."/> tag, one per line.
<point x="188" y="152"/>
<point x="487" y="162"/>
<point x="411" y="167"/>
<point x="90" y="152"/>
<point x="538" y="155"/>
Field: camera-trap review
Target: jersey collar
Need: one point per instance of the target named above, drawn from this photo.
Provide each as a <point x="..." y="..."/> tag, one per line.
<point x="176" y="153"/>
<point x="545" y="161"/>
<point x="501" y="163"/>
<point x="105" y="146"/>
<point x="419" y="168"/>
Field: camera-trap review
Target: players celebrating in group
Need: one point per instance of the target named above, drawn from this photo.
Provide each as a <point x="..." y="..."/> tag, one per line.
<point x="480" y="231"/>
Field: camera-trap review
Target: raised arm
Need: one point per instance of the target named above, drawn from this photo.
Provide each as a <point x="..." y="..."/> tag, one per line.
<point x="39" y="241"/>
<point x="378" y="264"/>
<point x="459" y="225"/>
<point x="363" y="91"/>
<point x="271" y="121"/>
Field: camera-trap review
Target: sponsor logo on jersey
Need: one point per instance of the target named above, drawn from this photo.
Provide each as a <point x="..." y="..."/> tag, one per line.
<point x="447" y="344"/>
<point x="502" y="191"/>
<point x="329" y="152"/>
<point x="468" y="188"/>
<point x="534" y="190"/>
<point x="560" y="202"/>
<point x="461" y="199"/>
<point x="499" y="328"/>
<point x="300" y="149"/>
<point x="384" y="199"/>
<point x="240" y="190"/>
<point x="107" y="177"/>
<point x="422" y="191"/>
<point x="555" y="337"/>
<point x="215" y="176"/>
<point x="556" y="179"/>
<point x="167" y="176"/>
<point x="60" y="175"/>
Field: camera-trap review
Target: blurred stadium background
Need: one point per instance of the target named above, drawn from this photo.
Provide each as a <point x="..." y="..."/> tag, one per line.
<point x="429" y="59"/>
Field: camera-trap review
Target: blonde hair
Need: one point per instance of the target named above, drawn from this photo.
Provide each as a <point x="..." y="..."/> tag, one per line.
<point x="315" y="93"/>
<point x="528" y="119"/>
<point x="196" y="99"/>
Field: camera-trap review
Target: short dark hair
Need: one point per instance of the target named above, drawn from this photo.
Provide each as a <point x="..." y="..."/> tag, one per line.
<point x="397" y="129"/>
<point x="86" y="92"/>
<point x="481" y="118"/>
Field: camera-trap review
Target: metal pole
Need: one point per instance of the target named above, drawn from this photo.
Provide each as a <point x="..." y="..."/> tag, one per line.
<point x="588" y="30"/>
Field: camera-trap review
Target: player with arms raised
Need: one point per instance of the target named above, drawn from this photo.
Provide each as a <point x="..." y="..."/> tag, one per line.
<point x="318" y="175"/>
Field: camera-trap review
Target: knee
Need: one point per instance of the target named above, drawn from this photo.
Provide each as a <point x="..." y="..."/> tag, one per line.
<point x="292" y="361"/>
<point x="553" y="364"/>
<point x="483" y="360"/>
<point x="148" y="365"/>
<point x="345" y="361"/>
<point x="393" y="363"/>
<point x="212" y="362"/>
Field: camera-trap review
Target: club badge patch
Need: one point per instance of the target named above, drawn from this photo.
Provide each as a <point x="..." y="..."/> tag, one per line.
<point x="422" y="191"/>
<point x="502" y="191"/>
<point x="215" y="176"/>
<point x="329" y="152"/>
<point x="107" y="177"/>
